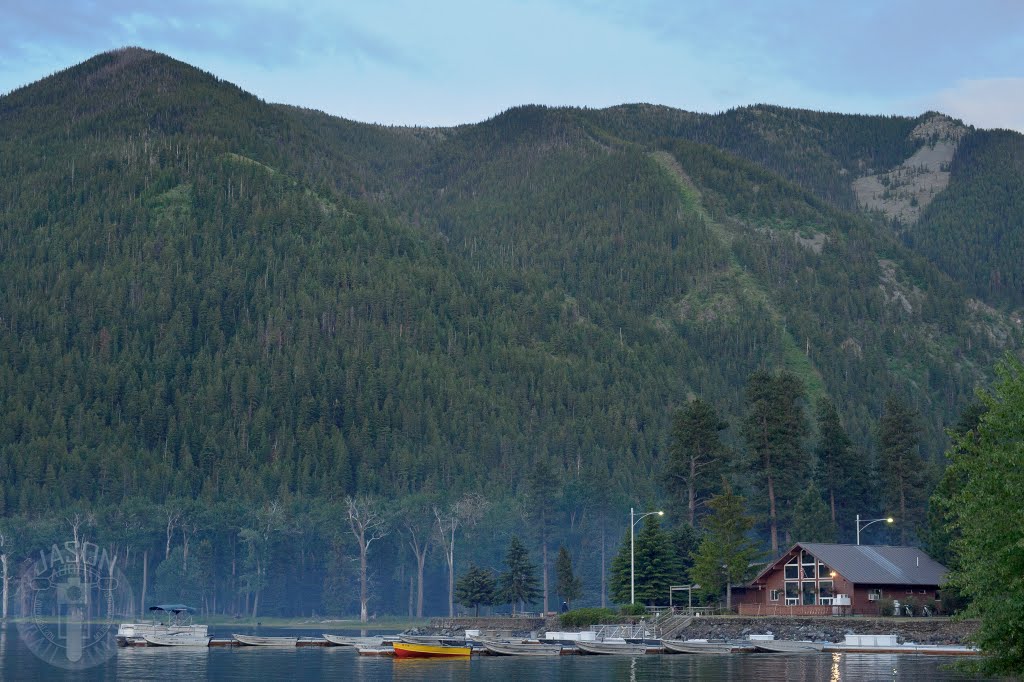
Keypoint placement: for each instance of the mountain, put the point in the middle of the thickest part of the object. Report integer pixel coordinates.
(209, 297)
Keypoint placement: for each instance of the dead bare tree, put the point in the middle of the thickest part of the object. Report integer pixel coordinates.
(369, 523)
(466, 511)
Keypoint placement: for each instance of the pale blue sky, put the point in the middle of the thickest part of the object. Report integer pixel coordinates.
(459, 61)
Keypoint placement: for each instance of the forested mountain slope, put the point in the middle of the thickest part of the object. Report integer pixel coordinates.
(204, 296)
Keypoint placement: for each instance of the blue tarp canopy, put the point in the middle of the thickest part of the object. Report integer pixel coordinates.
(171, 608)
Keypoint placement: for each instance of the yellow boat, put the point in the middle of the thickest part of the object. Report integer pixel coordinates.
(407, 650)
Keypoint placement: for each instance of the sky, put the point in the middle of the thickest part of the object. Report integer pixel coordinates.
(445, 62)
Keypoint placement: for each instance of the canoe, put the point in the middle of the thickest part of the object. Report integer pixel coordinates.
(523, 649)
(787, 646)
(611, 648)
(676, 646)
(338, 640)
(183, 639)
(252, 640)
(407, 650)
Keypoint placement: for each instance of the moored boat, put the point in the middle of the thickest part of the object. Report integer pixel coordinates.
(786, 646)
(253, 640)
(697, 646)
(412, 650)
(338, 640)
(179, 639)
(523, 649)
(169, 619)
(375, 650)
(611, 648)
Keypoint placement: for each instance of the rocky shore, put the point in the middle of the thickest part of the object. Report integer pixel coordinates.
(829, 629)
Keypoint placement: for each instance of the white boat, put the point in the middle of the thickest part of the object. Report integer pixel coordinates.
(178, 639)
(254, 640)
(697, 646)
(611, 648)
(169, 619)
(338, 640)
(375, 650)
(786, 646)
(523, 648)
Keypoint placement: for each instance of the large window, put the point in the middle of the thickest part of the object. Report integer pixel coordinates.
(809, 593)
(825, 593)
(792, 571)
(808, 565)
(792, 594)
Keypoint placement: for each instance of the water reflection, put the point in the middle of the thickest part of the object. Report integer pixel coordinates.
(162, 662)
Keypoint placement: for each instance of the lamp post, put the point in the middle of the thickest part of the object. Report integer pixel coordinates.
(633, 520)
(868, 522)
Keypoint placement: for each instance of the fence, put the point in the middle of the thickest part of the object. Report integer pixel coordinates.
(780, 610)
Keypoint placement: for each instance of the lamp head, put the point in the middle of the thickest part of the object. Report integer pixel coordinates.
(889, 520)
(661, 513)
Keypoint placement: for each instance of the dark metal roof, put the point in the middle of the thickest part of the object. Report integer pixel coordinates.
(874, 564)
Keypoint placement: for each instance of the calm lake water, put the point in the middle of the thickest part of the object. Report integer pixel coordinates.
(18, 662)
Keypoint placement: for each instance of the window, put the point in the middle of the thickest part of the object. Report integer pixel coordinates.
(792, 594)
(810, 596)
(910, 592)
(825, 593)
(809, 571)
(773, 595)
(792, 571)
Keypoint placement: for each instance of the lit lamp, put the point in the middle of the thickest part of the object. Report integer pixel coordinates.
(633, 520)
(867, 522)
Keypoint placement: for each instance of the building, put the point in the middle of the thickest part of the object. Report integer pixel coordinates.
(823, 579)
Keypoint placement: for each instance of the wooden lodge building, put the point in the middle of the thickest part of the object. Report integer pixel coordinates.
(817, 579)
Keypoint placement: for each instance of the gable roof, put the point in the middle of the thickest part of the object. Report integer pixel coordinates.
(873, 564)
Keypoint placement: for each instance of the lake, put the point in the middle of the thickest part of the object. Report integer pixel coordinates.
(18, 662)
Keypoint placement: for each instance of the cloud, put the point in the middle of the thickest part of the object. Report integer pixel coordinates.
(265, 33)
(985, 102)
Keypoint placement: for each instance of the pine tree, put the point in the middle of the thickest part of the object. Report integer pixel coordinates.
(812, 521)
(900, 464)
(569, 585)
(726, 551)
(774, 430)
(518, 584)
(655, 566)
(476, 587)
(696, 453)
(841, 473)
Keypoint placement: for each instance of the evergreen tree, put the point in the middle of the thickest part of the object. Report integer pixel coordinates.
(812, 521)
(570, 585)
(986, 514)
(476, 587)
(841, 473)
(696, 454)
(726, 551)
(518, 583)
(774, 429)
(901, 466)
(655, 566)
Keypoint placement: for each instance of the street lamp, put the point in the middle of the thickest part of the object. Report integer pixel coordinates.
(633, 520)
(868, 522)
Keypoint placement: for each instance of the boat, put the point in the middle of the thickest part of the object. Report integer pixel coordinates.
(168, 619)
(786, 646)
(697, 646)
(179, 639)
(435, 640)
(338, 640)
(410, 650)
(523, 649)
(611, 648)
(253, 640)
(375, 650)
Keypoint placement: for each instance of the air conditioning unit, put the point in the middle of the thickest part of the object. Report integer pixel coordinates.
(872, 596)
